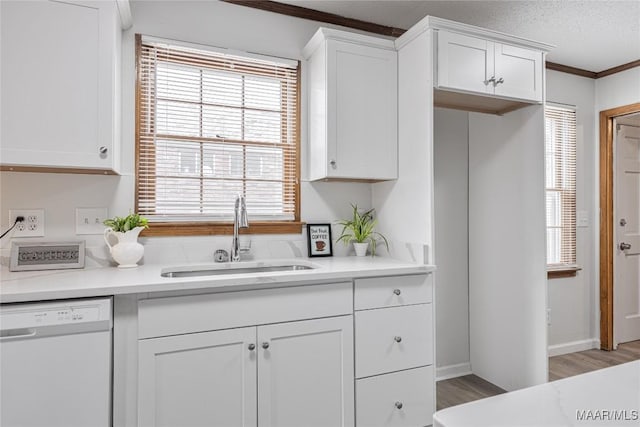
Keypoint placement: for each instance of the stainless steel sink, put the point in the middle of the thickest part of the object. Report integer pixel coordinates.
(230, 268)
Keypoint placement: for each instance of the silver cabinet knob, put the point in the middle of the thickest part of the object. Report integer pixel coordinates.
(103, 150)
(333, 164)
(491, 80)
(397, 291)
(265, 345)
(625, 246)
(252, 346)
(497, 82)
(398, 405)
(397, 338)
(623, 222)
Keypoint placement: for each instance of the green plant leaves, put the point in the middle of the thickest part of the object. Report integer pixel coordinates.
(126, 223)
(360, 229)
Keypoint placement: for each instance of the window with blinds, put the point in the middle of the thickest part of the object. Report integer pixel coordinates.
(560, 162)
(211, 126)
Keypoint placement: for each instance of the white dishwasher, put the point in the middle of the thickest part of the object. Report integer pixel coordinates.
(55, 363)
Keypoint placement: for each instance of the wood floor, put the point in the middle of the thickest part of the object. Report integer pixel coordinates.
(471, 387)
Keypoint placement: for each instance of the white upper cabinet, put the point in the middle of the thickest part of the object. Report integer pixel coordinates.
(476, 62)
(478, 65)
(353, 107)
(60, 85)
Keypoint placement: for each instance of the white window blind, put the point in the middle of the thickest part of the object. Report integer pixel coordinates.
(560, 162)
(211, 126)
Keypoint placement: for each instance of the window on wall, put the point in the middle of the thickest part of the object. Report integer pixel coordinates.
(212, 125)
(560, 161)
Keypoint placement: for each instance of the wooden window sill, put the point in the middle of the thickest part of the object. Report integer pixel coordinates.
(559, 273)
(216, 228)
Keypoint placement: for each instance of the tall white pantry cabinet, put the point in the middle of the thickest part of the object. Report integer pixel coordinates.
(499, 80)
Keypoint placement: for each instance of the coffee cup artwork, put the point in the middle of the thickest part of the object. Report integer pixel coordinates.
(319, 240)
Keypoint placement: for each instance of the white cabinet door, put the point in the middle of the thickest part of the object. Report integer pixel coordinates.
(464, 63)
(59, 64)
(520, 70)
(305, 374)
(353, 107)
(362, 113)
(401, 399)
(207, 378)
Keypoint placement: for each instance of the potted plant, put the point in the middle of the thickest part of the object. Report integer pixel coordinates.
(126, 250)
(360, 230)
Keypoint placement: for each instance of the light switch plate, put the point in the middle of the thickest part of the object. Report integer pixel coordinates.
(90, 220)
(582, 218)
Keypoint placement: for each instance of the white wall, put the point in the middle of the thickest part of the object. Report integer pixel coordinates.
(211, 22)
(451, 241)
(574, 301)
(618, 90)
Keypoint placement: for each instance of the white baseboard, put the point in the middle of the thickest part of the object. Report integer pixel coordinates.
(573, 346)
(453, 371)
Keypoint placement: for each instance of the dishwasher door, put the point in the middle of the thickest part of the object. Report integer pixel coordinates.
(55, 364)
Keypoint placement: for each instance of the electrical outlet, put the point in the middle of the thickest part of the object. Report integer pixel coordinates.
(33, 224)
(90, 220)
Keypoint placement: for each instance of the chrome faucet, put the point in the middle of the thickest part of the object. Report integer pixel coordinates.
(239, 221)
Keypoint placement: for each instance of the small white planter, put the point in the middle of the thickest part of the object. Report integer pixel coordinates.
(361, 248)
(126, 251)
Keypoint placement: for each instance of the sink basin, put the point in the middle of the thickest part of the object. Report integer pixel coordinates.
(234, 268)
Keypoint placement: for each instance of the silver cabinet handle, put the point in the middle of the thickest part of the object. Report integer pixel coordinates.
(333, 164)
(397, 291)
(397, 338)
(491, 80)
(103, 150)
(398, 405)
(252, 347)
(625, 246)
(265, 345)
(497, 82)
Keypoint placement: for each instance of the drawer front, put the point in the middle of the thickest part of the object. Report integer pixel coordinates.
(400, 399)
(393, 291)
(197, 313)
(391, 339)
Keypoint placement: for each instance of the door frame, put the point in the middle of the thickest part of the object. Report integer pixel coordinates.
(606, 220)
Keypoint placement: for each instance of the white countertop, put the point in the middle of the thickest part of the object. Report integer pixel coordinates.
(607, 397)
(101, 281)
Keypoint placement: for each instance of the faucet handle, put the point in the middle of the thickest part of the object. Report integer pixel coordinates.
(221, 256)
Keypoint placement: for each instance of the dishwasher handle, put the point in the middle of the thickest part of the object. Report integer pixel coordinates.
(16, 334)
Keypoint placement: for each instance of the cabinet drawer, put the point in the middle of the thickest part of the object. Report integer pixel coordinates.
(392, 291)
(391, 339)
(378, 399)
(197, 313)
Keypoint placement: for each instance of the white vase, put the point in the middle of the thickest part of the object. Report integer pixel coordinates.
(361, 248)
(126, 251)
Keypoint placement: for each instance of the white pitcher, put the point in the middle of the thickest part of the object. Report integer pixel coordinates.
(127, 251)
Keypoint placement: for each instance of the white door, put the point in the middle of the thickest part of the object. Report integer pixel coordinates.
(626, 292)
(207, 378)
(465, 63)
(305, 373)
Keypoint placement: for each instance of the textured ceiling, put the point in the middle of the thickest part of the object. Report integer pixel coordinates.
(593, 35)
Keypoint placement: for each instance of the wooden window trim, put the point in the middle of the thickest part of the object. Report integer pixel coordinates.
(562, 273)
(200, 228)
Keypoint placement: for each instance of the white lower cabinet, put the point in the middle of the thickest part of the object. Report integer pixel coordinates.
(297, 356)
(286, 374)
(305, 375)
(394, 351)
(208, 378)
(399, 399)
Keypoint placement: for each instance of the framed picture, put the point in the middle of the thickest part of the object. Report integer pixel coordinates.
(319, 240)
